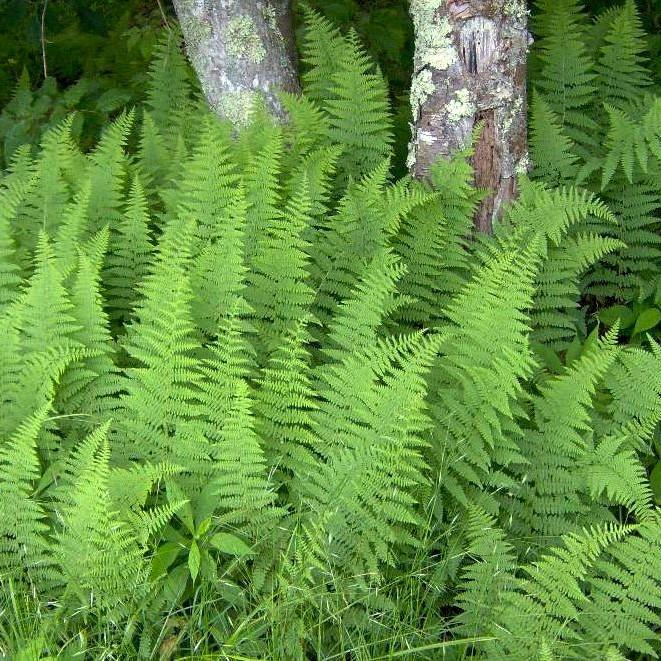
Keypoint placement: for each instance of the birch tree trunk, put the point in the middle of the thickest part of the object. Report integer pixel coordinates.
(470, 68)
(241, 50)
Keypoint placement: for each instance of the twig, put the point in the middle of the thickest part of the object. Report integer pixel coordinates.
(163, 14)
(43, 38)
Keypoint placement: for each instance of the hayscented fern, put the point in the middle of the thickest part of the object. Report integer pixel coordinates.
(261, 401)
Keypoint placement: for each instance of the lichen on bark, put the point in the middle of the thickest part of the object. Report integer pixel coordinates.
(243, 52)
(243, 40)
(469, 68)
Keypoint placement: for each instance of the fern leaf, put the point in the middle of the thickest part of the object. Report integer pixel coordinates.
(160, 390)
(129, 255)
(24, 548)
(98, 556)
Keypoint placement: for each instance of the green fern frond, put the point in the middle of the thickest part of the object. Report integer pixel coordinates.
(363, 494)
(284, 403)
(558, 293)
(98, 556)
(358, 320)
(487, 578)
(321, 43)
(625, 594)
(263, 191)
(318, 168)
(564, 69)
(631, 141)
(24, 547)
(622, 77)
(633, 385)
(486, 357)
(277, 289)
(359, 111)
(307, 129)
(237, 490)
(50, 193)
(617, 473)
(153, 159)
(107, 170)
(44, 311)
(551, 150)
(28, 379)
(11, 196)
(160, 390)
(551, 499)
(129, 256)
(239, 481)
(548, 598)
(168, 89)
(218, 276)
(208, 189)
(619, 275)
(433, 251)
(90, 388)
(349, 240)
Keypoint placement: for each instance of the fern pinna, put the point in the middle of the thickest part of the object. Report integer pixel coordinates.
(259, 400)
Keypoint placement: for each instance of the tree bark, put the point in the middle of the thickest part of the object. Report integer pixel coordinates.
(470, 68)
(242, 50)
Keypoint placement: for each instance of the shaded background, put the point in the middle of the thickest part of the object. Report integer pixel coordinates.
(109, 44)
(82, 35)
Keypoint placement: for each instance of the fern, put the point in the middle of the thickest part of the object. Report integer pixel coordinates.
(160, 397)
(168, 91)
(263, 191)
(438, 225)
(99, 559)
(239, 481)
(548, 595)
(358, 112)
(552, 151)
(625, 594)
(107, 171)
(10, 276)
(24, 550)
(43, 210)
(619, 275)
(473, 417)
(44, 310)
(615, 148)
(153, 162)
(551, 499)
(322, 42)
(564, 70)
(362, 495)
(277, 290)
(129, 255)
(284, 404)
(622, 75)
(351, 239)
(260, 400)
(90, 388)
(340, 80)
(489, 577)
(72, 230)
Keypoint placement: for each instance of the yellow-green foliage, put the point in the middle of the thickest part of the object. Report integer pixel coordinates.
(260, 401)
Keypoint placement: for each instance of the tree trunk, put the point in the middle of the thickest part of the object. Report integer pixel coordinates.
(470, 68)
(241, 50)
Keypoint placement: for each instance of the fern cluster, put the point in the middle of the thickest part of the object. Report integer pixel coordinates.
(596, 122)
(259, 400)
